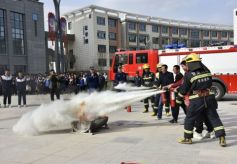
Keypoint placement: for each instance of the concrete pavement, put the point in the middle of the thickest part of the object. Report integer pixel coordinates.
(134, 137)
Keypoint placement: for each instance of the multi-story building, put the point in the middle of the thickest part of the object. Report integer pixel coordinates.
(235, 26)
(22, 36)
(97, 36)
(99, 31)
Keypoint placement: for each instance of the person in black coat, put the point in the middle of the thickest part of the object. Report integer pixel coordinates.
(7, 88)
(92, 81)
(54, 85)
(21, 88)
(137, 80)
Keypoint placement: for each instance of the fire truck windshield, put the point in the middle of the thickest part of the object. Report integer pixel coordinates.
(120, 60)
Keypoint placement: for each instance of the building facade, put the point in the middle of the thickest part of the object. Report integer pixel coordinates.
(100, 31)
(235, 26)
(22, 36)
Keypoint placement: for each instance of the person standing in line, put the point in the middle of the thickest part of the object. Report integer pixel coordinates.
(21, 89)
(7, 88)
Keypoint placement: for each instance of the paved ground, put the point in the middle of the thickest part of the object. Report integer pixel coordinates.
(132, 137)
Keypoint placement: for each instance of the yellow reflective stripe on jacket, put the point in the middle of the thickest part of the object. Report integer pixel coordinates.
(200, 76)
(147, 78)
(179, 102)
(188, 131)
(196, 96)
(180, 95)
(219, 128)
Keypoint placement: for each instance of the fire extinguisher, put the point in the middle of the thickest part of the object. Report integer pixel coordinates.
(172, 98)
(163, 98)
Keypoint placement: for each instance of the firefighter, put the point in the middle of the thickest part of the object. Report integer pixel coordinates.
(148, 80)
(198, 81)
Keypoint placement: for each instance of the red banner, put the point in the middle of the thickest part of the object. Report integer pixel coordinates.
(52, 26)
(64, 29)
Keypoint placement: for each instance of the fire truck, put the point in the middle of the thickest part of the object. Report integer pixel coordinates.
(221, 60)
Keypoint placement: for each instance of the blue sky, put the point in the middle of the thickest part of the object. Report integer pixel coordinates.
(205, 11)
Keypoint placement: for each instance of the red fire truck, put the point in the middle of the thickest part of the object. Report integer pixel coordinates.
(221, 60)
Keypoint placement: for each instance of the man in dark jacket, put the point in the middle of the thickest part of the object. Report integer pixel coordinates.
(54, 85)
(137, 80)
(101, 81)
(120, 77)
(165, 79)
(92, 81)
(21, 89)
(7, 88)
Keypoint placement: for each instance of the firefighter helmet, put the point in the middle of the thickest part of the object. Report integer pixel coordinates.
(159, 65)
(192, 58)
(146, 66)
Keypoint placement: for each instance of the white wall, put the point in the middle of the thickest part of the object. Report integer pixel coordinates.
(235, 26)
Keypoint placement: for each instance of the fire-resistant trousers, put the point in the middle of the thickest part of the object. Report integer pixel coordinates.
(207, 106)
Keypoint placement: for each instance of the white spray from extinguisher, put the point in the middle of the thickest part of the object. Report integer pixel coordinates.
(48, 116)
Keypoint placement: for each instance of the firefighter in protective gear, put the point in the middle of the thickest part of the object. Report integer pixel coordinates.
(148, 79)
(198, 81)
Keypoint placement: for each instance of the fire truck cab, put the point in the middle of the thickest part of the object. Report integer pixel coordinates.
(221, 60)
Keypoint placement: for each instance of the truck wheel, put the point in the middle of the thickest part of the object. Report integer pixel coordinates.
(218, 90)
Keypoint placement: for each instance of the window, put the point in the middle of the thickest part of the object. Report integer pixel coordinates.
(101, 34)
(142, 39)
(17, 26)
(184, 41)
(164, 30)
(112, 36)
(112, 49)
(175, 41)
(2, 69)
(132, 26)
(19, 68)
(102, 48)
(224, 34)
(86, 41)
(142, 27)
(155, 40)
(2, 33)
(195, 33)
(102, 62)
(132, 48)
(214, 34)
(100, 20)
(130, 59)
(165, 41)
(206, 43)
(112, 22)
(231, 34)
(35, 19)
(132, 38)
(183, 31)
(195, 43)
(141, 58)
(206, 33)
(155, 28)
(121, 59)
(69, 25)
(175, 31)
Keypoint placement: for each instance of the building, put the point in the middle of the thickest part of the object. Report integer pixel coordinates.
(22, 36)
(235, 26)
(100, 31)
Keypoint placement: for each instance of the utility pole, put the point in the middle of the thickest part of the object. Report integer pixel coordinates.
(59, 51)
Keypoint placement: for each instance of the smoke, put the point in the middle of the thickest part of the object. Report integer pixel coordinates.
(48, 116)
(129, 87)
